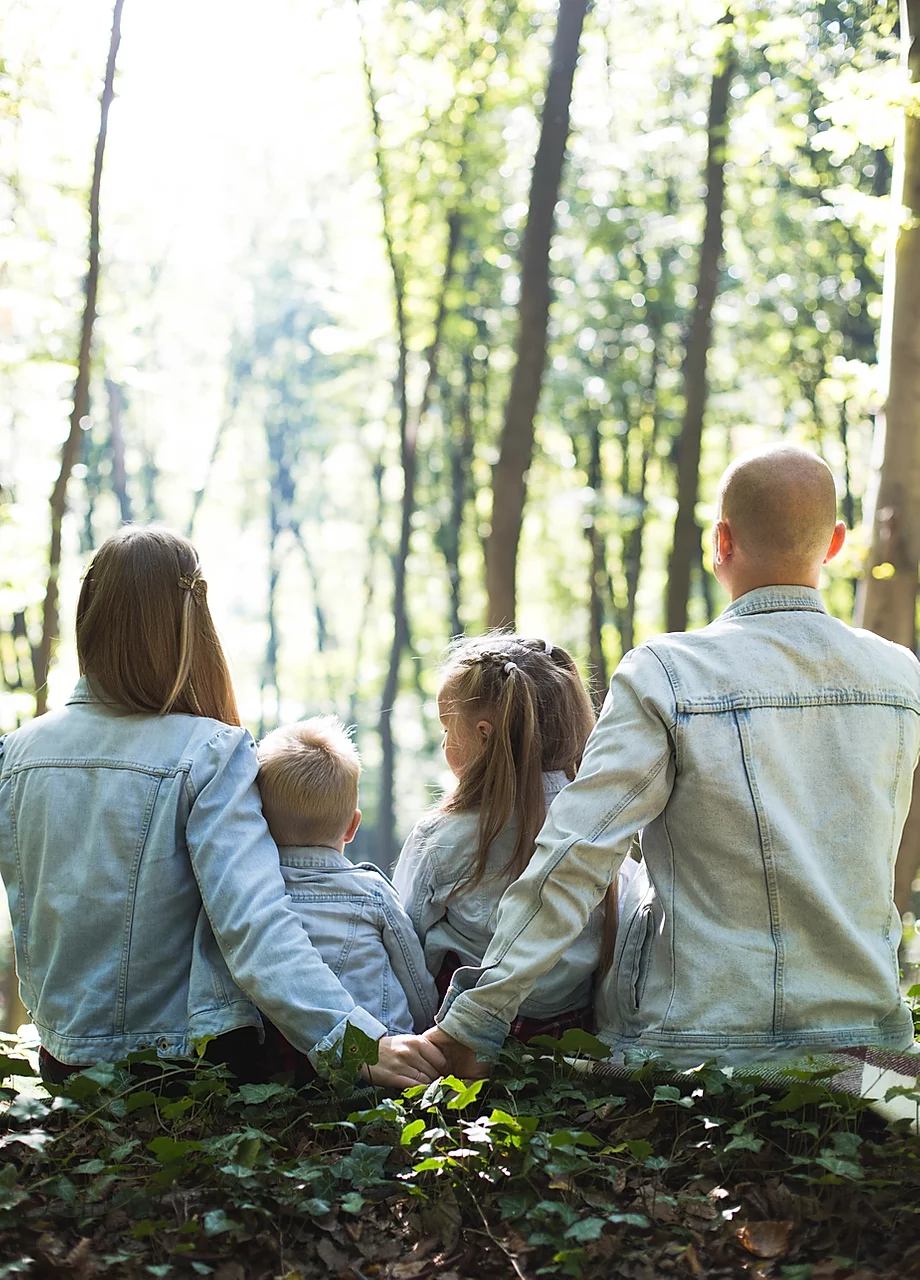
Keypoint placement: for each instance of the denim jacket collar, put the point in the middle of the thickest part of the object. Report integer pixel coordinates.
(82, 692)
(91, 695)
(772, 599)
(314, 857)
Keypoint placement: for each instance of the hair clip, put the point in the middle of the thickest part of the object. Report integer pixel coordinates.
(548, 646)
(193, 583)
(509, 667)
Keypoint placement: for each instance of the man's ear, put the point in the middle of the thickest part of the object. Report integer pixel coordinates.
(837, 540)
(722, 545)
(483, 728)
(353, 827)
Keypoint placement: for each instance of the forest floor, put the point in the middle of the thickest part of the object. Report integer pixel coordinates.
(541, 1171)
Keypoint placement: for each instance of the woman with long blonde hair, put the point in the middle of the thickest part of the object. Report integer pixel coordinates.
(147, 903)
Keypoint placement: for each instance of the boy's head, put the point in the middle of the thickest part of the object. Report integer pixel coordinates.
(308, 777)
(777, 522)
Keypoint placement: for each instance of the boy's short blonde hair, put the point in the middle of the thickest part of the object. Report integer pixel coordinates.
(308, 777)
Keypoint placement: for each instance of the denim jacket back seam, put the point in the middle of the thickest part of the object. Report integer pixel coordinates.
(792, 701)
(121, 991)
(895, 781)
(742, 724)
(90, 762)
(20, 879)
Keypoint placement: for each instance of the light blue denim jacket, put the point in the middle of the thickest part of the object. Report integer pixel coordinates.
(434, 858)
(147, 903)
(769, 760)
(354, 918)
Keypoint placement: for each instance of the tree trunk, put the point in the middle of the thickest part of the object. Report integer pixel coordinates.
(460, 446)
(116, 398)
(409, 458)
(887, 598)
(686, 534)
(269, 695)
(509, 476)
(80, 410)
(887, 602)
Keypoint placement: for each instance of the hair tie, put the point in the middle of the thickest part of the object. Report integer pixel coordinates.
(509, 667)
(548, 646)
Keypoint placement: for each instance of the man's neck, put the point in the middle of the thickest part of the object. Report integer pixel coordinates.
(752, 582)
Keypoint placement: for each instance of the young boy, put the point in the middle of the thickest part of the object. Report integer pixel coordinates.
(308, 777)
(767, 760)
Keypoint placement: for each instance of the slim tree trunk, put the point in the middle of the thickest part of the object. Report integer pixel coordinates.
(509, 476)
(686, 532)
(116, 398)
(459, 445)
(269, 695)
(887, 598)
(50, 616)
(409, 458)
(598, 575)
(367, 594)
(408, 455)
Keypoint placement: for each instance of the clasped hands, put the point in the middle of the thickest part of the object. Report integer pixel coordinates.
(404, 1061)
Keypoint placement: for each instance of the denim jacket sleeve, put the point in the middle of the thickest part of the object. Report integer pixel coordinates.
(416, 883)
(408, 961)
(623, 784)
(235, 862)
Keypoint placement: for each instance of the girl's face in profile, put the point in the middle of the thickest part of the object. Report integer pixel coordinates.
(463, 739)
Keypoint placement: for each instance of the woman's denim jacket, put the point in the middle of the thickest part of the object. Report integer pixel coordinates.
(147, 902)
(769, 759)
(355, 920)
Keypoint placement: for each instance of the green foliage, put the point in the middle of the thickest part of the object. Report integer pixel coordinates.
(540, 1169)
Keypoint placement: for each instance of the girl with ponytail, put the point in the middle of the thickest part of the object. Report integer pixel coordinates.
(516, 717)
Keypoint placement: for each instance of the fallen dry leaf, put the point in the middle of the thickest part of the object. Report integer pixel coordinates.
(765, 1239)
(408, 1270)
(693, 1263)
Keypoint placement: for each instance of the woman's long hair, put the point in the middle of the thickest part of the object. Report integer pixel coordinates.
(145, 636)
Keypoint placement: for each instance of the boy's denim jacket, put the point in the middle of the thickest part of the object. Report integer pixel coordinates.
(147, 903)
(769, 760)
(353, 916)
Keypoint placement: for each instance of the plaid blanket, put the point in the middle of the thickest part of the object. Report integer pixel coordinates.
(890, 1079)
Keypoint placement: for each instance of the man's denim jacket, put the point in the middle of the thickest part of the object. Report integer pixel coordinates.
(147, 902)
(353, 916)
(768, 760)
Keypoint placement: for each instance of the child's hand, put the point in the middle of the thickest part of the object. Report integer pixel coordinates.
(404, 1061)
(461, 1060)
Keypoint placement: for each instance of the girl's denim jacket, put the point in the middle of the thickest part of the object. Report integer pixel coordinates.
(768, 760)
(355, 920)
(432, 862)
(147, 903)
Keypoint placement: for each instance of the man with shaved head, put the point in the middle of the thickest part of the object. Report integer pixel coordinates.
(767, 762)
(777, 520)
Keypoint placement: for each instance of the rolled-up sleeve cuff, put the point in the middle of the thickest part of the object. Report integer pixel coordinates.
(358, 1017)
(467, 1022)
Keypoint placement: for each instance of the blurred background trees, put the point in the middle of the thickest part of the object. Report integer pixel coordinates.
(319, 260)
